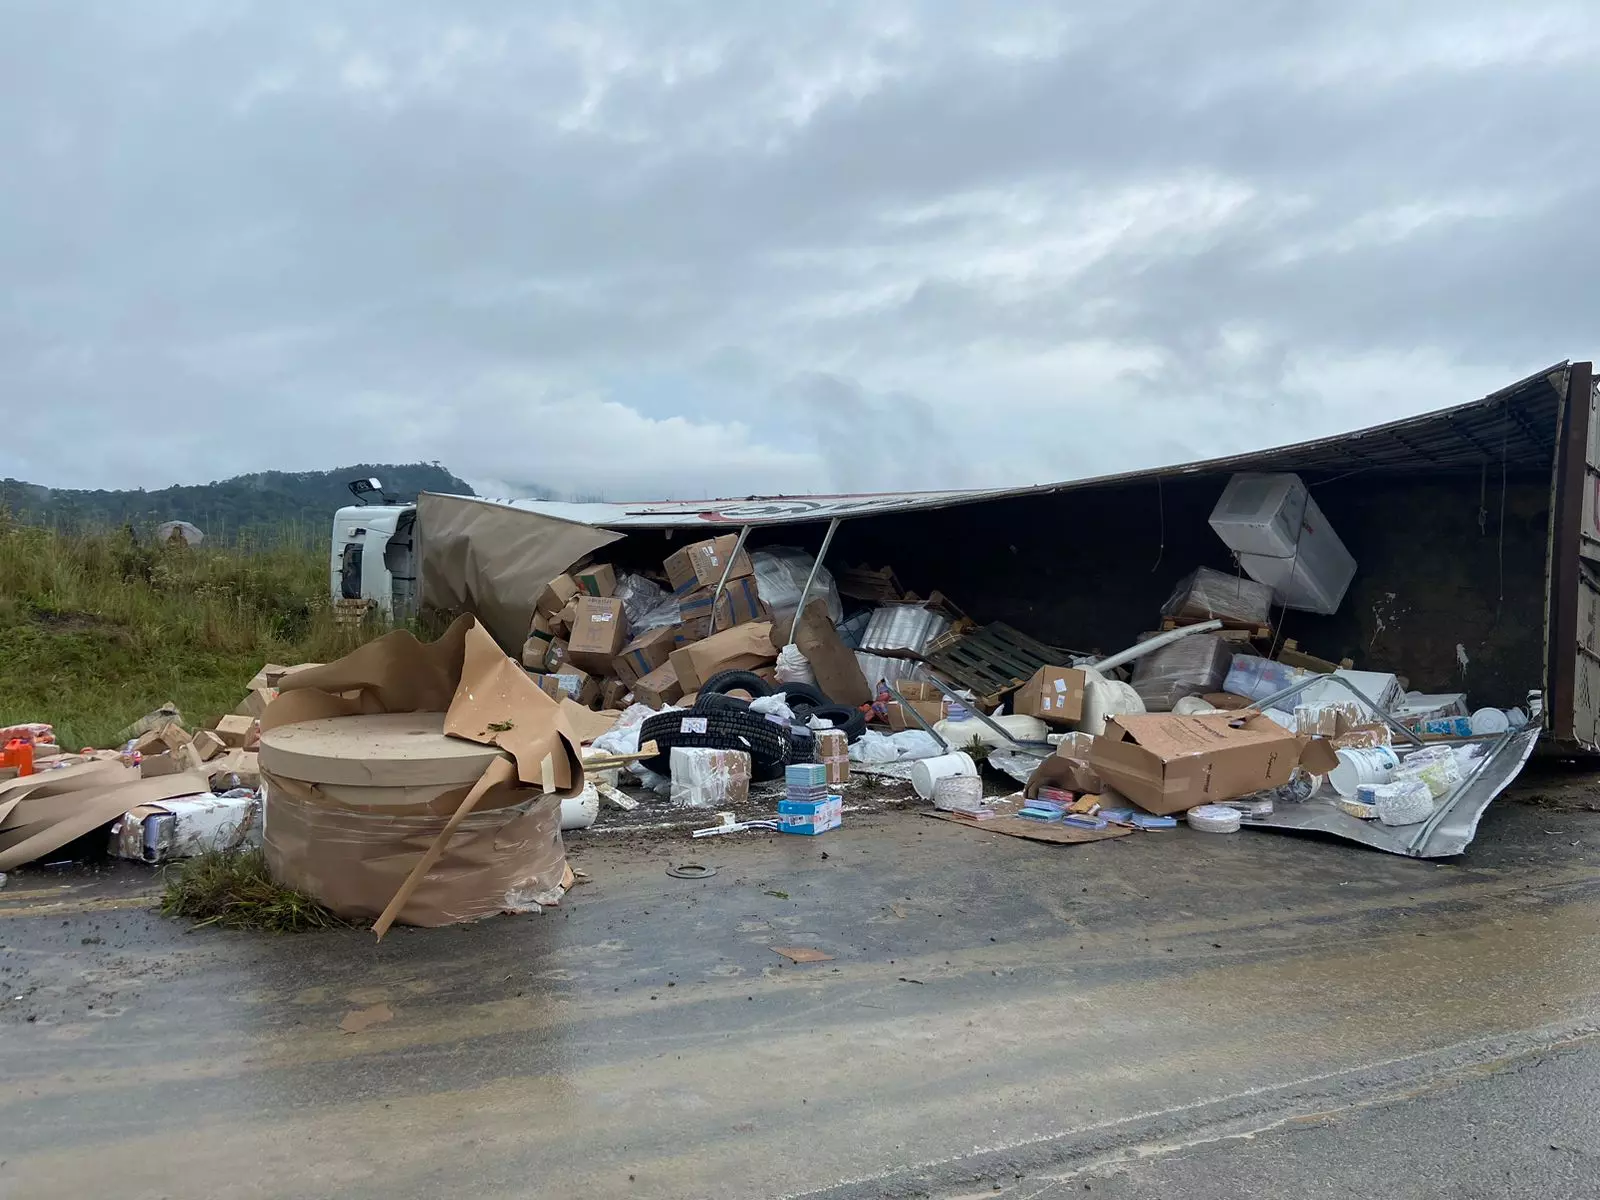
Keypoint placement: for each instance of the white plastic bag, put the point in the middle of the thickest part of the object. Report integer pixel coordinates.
(794, 667)
(773, 706)
(912, 744)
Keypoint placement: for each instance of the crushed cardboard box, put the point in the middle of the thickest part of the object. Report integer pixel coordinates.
(742, 648)
(1167, 764)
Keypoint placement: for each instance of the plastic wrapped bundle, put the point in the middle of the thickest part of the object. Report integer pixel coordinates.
(781, 573)
(1208, 594)
(903, 628)
(709, 778)
(1436, 766)
(1190, 666)
(1258, 678)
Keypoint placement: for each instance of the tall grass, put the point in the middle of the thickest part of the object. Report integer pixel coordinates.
(97, 628)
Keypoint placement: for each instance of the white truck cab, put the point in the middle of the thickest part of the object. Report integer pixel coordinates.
(373, 557)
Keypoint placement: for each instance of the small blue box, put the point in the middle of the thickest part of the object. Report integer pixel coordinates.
(810, 817)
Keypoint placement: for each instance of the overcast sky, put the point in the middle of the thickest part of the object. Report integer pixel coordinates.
(711, 248)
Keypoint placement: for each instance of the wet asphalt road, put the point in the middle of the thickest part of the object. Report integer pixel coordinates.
(1162, 1015)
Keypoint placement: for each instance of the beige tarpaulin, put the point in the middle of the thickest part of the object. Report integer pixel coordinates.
(492, 561)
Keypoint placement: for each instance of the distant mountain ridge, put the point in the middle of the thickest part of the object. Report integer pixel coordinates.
(267, 502)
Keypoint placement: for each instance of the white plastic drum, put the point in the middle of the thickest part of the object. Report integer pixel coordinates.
(926, 772)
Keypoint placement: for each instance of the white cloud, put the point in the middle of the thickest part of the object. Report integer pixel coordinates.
(638, 250)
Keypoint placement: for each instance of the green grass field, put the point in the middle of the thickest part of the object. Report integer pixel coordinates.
(96, 629)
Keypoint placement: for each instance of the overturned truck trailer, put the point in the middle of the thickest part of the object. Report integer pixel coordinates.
(1476, 531)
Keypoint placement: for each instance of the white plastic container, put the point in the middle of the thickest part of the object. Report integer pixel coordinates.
(1491, 720)
(926, 772)
(582, 810)
(1261, 514)
(1283, 540)
(1357, 767)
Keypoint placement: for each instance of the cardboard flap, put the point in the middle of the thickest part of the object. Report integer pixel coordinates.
(1318, 756)
(485, 696)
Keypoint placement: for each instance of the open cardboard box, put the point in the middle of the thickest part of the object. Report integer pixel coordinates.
(1166, 763)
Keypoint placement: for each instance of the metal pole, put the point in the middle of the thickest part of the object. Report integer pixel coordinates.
(816, 565)
(723, 582)
(1288, 693)
(915, 715)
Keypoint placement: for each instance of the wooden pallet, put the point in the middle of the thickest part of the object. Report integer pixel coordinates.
(990, 659)
(878, 585)
(1250, 630)
(1291, 655)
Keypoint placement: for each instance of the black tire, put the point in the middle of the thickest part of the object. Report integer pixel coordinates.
(765, 741)
(717, 702)
(724, 682)
(798, 695)
(851, 720)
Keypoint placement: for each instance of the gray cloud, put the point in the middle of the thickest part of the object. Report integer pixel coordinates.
(647, 249)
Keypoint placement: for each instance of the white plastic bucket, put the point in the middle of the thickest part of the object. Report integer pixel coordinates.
(580, 811)
(1356, 767)
(926, 772)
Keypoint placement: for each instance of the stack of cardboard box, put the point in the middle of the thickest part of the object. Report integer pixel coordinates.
(580, 645)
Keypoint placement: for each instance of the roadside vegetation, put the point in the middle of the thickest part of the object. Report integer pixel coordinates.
(98, 628)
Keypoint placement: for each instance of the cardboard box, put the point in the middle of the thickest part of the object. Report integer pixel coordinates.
(185, 827)
(153, 766)
(1168, 764)
(556, 595)
(740, 604)
(834, 664)
(810, 817)
(550, 685)
(645, 653)
(255, 702)
(918, 689)
(614, 694)
(207, 745)
(236, 730)
(1053, 694)
(599, 632)
(702, 563)
(742, 648)
(556, 655)
(575, 683)
(159, 741)
(931, 711)
(659, 688)
(533, 653)
(833, 752)
(598, 580)
(237, 768)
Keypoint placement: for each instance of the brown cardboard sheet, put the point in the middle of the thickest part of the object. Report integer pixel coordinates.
(493, 561)
(1033, 831)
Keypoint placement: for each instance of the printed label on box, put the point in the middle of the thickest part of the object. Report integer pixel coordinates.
(1061, 685)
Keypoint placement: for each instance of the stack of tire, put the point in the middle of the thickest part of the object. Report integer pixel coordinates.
(723, 721)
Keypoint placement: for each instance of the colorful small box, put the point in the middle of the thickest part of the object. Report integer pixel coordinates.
(810, 817)
(805, 775)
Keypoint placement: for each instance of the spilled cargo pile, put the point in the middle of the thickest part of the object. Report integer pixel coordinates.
(731, 657)
(736, 689)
